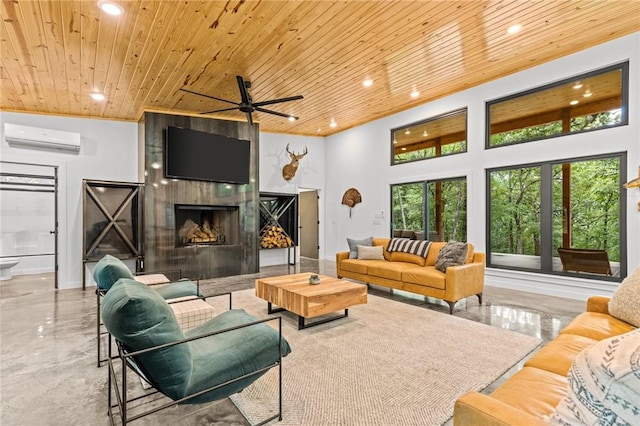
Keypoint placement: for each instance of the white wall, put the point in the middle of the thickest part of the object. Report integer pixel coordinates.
(310, 175)
(109, 151)
(360, 157)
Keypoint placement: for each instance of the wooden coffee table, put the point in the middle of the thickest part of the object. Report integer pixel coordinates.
(294, 294)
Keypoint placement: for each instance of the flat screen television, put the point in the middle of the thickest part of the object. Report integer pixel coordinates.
(194, 155)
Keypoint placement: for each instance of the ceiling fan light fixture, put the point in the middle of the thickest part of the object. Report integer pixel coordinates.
(110, 7)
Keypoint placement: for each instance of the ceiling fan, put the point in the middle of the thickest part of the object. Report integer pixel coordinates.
(246, 103)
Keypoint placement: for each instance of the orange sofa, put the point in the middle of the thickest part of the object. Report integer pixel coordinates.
(409, 272)
(532, 394)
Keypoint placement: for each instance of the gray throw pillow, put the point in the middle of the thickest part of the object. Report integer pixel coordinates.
(453, 253)
(353, 246)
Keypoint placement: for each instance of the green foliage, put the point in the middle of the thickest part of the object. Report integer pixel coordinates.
(409, 207)
(594, 206)
(546, 130)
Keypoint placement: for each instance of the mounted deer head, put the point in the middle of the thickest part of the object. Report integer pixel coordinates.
(289, 171)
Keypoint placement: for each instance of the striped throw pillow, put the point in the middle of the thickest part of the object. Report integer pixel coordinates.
(405, 245)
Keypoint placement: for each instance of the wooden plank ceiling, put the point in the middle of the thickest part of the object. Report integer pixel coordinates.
(55, 53)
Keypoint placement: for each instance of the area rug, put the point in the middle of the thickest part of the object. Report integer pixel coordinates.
(387, 363)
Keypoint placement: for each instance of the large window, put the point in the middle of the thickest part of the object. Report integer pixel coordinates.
(445, 134)
(586, 102)
(433, 210)
(535, 211)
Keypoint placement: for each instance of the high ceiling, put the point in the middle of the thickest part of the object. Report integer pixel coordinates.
(55, 53)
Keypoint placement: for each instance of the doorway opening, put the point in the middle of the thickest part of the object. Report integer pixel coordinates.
(29, 225)
(309, 223)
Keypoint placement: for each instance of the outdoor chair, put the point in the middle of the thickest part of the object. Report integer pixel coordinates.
(210, 362)
(110, 269)
(585, 260)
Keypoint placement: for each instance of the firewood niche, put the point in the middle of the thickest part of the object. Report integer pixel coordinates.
(278, 220)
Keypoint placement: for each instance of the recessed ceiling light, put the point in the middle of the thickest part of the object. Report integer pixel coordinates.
(425, 133)
(292, 118)
(110, 7)
(577, 86)
(587, 94)
(318, 130)
(407, 132)
(333, 124)
(404, 148)
(395, 141)
(97, 96)
(367, 83)
(514, 29)
(415, 94)
(574, 102)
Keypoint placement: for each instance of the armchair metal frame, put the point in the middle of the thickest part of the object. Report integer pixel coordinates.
(100, 332)
(127, 361)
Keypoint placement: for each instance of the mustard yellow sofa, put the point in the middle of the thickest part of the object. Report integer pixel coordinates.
(531, 395)
(416, 274)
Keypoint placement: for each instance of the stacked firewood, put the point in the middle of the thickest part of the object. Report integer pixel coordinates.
(274, 237)
(191, 232)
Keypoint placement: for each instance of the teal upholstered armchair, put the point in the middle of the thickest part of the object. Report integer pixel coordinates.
(217, 359)
(110, 269)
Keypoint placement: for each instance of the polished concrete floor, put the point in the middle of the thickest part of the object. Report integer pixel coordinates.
(48, 373)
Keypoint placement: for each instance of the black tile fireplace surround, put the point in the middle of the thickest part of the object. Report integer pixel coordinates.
(222, 218)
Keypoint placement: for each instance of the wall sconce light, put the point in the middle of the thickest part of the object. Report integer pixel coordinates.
(635, 183)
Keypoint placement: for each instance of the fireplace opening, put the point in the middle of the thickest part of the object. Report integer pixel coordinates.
(202, 225)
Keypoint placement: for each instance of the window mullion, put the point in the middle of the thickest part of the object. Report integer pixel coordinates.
(546, 219)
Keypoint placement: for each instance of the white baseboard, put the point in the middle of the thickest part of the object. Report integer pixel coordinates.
(551, 285)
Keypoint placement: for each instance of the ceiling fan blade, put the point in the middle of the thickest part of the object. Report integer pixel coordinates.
(210, 97)
(268, 111)
(219, 110)
(277, 101)
(244, 95)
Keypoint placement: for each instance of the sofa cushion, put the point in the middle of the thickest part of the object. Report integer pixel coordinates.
(434, 250)
(470, 253)
(597, 326)
(533, 391)
(182, 288)
(109, 270)
(354, 265)
(222, 357)
(370, 253)
(625, 302)
(398, 256)
(140, 318)
(452, 254)
(604, 384)
(558, 355)
(410, 251)
(384, 242)
(427, 276)
(390, 270)
(353, 246)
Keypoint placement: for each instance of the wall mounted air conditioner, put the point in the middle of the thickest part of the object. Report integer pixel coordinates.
(36, 138)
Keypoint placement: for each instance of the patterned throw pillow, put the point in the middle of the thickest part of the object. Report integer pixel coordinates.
(453, 253)
(603, 385)
(370, 253)
(353, 246)
(405, 245)
(625, 302)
